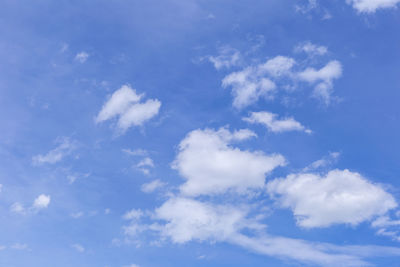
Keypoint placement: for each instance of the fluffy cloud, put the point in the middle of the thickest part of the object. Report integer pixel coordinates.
(277, 66)
(323, 78)
(189, 219)
(125, 104)
(41, 202)
(311, 49)
(370, 6)
(211, 165)
(227, 58)
(260, 81)
(275, 125)
(65, 147)
(248, 86)
(340, 196)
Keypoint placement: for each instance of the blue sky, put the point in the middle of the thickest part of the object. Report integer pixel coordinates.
(199, 133)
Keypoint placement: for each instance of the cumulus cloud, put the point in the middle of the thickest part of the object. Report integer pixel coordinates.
(323, 78)
(152, 186)
(41, 202)
(135, 152)
(277, 66)
(371, 6)
(125, 104)
(189, 219)
(248, 86)
(274, 124)
(260, 80)
(65, 147)
(228, 57)
(211, 165)
(182, 220)
(311, 49)
(341, 196)
(82, 57)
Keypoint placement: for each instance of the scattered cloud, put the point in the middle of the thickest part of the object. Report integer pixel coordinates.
(339, 197)
(152, 186)
(210, 165)
(371, 6)
(323, 78)
(189, 219)
(65, 147)
(41, 202)
(145, 165)
(227, 58)
(248, 86)
(311, 49)
(260, 80)
(125, 104)
(82, 57)
(274, 124)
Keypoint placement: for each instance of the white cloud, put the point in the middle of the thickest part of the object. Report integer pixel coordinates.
(311, 49)
(78, 247)
(370, 6)
(275, 125)
(387, 227)
(189, 219)
(260, 80)
(41, 202)
(65, 147)
(324, 162)
(324, 78)
(133, 214)
(211, 165)
(152, 186)
(82, 57)
(125, 104)
(145, 164)
(340, 196)
(183, 220)
(248, 86)
(228, 57)
(18, 208)
(277, 66)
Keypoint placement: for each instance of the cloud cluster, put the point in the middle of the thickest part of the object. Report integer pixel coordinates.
(260, 81)
(274, 124)
(211, 165)
(40, 203)
(125, 104)
(341, 196)
(371, 6)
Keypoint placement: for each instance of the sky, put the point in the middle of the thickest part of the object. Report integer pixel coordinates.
(199, 133)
